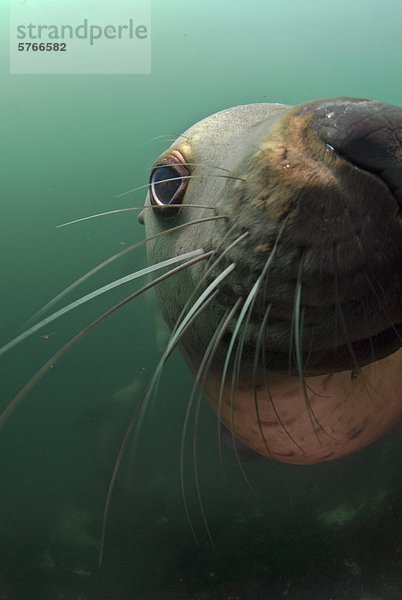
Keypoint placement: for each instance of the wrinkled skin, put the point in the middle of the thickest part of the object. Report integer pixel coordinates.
(318, 190)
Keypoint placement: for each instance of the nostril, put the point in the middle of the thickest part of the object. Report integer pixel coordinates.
(366, 133)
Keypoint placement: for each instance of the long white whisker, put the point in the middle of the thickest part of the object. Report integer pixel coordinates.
(200, 300)
(102, 214)
(138, 415)
(247, 304)
(146, 185)
(259, 346)
(132, 208)
(298, 312)
(232, 342)
(95, 294)
(208, 271)
(206, 165)
(203, 301)
(169, 136)
(12, 405)
(235, 386)
(200, 377)
(109, 260)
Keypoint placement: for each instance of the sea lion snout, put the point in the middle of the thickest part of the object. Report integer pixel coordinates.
(366, 133)
(326, 202)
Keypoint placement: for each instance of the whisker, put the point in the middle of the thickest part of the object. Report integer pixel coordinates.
(270, 397)
(258, 350)
(249, 301)
(172, 136)
(232, 342)
(109, 260)
(200, 377)
(132, 208)
(215, 346)
(298, 330)
(341, 317)
(359, 245)
(201, 299)
(183, 322)
(199, 306)
(234, 389)
(199, 382)
(139, 412)
(166, 139)
(11, 406)
(95, 294)
(263, 277)
(195, 164)
(97, 215)
(350, 347)
(146, 185)
(264, 274)
(308, 387)
(298, 343)
(208, 272)
(291, 345)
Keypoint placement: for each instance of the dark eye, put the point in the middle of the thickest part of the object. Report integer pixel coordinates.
(167, 184)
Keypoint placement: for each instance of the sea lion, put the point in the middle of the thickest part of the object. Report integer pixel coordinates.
(299, 350)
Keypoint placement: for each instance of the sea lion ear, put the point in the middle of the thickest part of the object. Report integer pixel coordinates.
(140, 217)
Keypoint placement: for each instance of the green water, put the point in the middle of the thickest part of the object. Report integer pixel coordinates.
(69, 145)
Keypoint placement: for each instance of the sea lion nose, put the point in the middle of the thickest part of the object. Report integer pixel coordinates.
(366, 133)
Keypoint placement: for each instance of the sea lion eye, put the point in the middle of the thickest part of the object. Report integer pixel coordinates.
(167, 184)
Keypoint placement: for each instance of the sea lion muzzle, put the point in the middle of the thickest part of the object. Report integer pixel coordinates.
(311, 197)
(368, 134)
(342, 240)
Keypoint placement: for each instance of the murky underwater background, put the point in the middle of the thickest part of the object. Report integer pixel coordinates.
(69, 145)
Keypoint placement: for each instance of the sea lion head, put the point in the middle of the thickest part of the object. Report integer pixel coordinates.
(310, 200)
